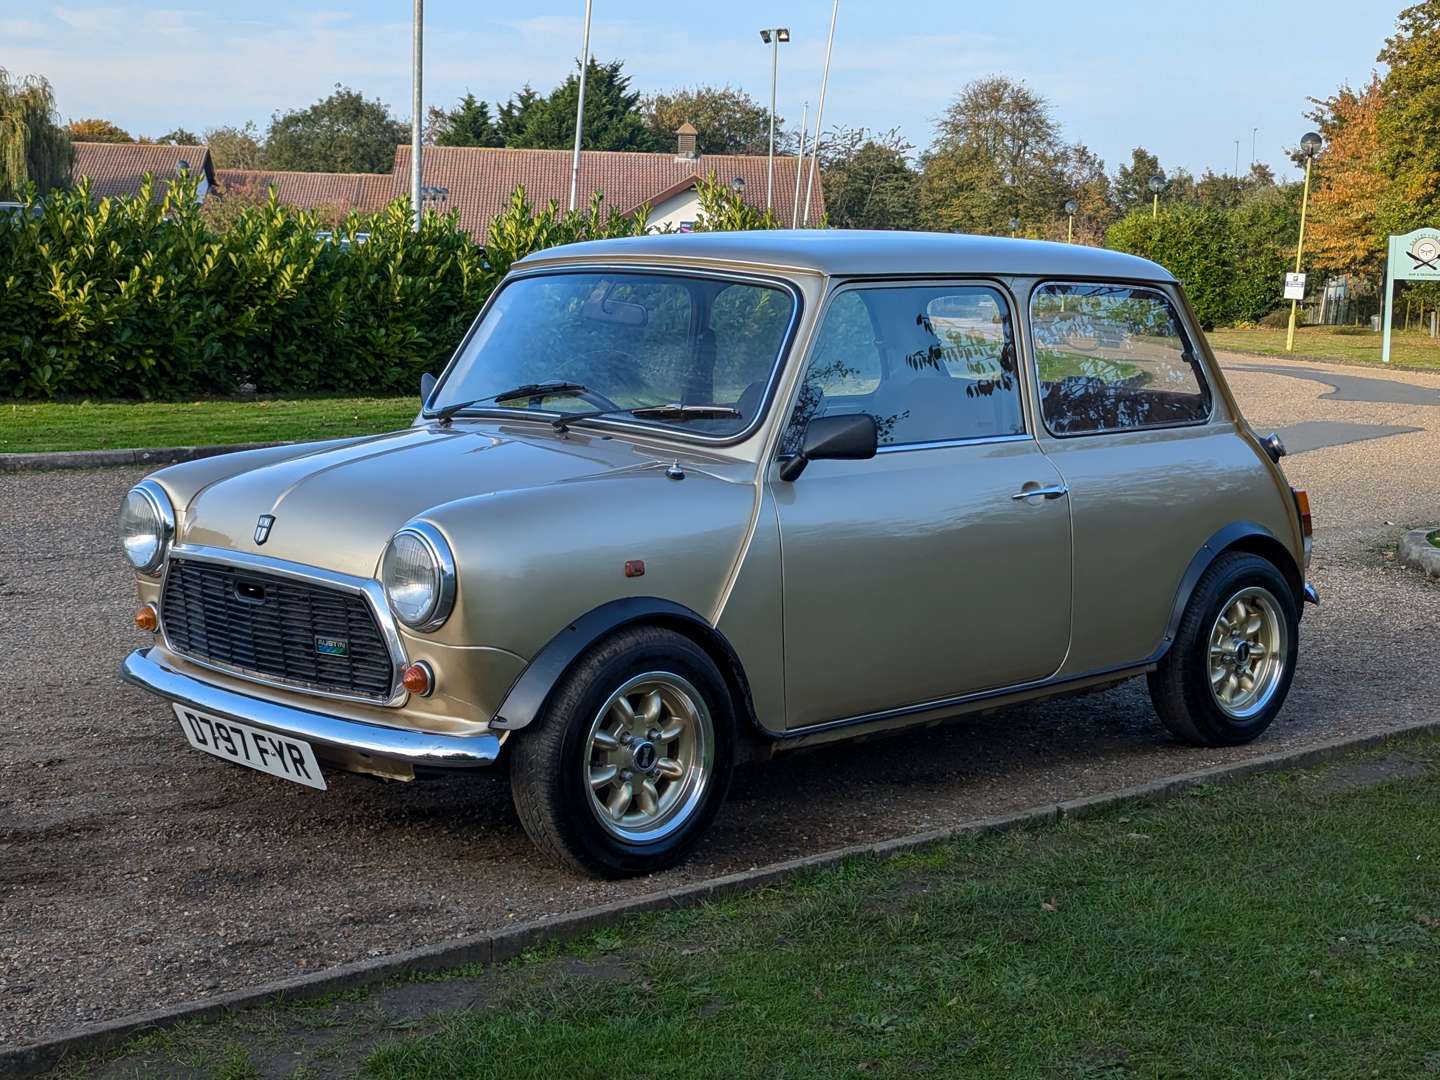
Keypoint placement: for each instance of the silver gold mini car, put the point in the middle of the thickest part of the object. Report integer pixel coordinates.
(682, 501)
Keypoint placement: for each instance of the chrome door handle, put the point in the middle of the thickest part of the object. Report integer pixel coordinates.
(1054, 491)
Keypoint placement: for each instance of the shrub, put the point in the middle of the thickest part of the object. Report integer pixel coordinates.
(144, 298)
(1231, 261)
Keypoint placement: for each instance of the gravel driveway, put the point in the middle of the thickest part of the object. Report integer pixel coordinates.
(135, 872)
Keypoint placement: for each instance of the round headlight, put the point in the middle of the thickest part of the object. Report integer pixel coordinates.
(418, 573)
(147, 524)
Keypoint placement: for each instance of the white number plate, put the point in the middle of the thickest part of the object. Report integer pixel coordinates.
(278, 755)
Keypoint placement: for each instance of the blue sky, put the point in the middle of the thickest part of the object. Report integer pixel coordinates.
(1185, 80)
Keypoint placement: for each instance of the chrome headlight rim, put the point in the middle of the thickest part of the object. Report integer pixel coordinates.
(164, 514)
(442, 568)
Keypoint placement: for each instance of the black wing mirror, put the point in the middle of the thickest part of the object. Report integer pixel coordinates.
(850, 437)
(427, 384)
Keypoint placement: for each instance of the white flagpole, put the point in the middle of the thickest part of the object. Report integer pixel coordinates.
(820, 111)
(799, 166)
(580, 109)
(415, 105)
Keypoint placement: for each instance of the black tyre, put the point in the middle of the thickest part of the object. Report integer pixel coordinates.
(1230, 666)
(631, 758)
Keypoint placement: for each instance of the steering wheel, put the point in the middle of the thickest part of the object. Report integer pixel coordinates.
(612, 359)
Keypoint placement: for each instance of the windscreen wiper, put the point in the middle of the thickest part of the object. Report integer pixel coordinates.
(535, 390)
(652, 412)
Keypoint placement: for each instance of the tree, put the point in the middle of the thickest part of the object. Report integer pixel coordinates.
(235, 148)
(1132, 182)
(34, 148)
(514, 114)
(341, 133)
(612, 114)
(97, 130)
(468, 124)
(729, 121)
(998, 155)
(869, 183)
(180, 137)
(1409, 120)
(1352, 184)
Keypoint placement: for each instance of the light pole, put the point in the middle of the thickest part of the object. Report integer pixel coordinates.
(772, 37)
(1310, 145)
(820, 113)
(416, 52)
(1071, 207)
(1253, 132)
(1157, 185)
(1237, 157)
(580, 108)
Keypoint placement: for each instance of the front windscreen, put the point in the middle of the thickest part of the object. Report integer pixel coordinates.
(689, 352)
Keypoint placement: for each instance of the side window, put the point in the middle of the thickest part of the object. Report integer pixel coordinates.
(1113, 358)
(931, 363)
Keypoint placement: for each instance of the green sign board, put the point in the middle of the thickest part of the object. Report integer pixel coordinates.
(1413, 257)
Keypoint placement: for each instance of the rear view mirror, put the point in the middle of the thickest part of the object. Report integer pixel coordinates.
(849, 437)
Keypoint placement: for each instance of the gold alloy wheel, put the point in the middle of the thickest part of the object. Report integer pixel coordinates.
(648, 757)
(1249, 646)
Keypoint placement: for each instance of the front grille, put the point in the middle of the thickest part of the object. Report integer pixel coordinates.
(273, 626)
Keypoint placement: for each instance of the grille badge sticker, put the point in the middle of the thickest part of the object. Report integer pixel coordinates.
(262, 528)
(332, 646)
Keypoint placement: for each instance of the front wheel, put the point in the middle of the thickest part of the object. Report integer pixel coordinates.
(631, 758)
(1229, 669)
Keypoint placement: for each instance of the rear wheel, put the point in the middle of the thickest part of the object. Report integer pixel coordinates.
(1230, 666)
(628, 764)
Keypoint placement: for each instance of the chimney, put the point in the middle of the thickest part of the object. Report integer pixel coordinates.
(685, 136)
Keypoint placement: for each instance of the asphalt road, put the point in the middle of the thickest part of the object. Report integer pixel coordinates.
(135, 872)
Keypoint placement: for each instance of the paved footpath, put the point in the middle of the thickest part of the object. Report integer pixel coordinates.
(135, 873)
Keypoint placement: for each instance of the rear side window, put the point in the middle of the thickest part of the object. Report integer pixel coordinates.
(1113, 358)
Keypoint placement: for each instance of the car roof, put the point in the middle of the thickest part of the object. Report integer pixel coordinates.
(851, 252)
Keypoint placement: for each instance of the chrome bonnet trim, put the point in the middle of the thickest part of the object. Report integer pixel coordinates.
(368, 588)
(400, 744)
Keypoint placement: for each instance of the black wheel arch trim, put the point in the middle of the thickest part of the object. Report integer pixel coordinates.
(1237, 536)
(527, 696)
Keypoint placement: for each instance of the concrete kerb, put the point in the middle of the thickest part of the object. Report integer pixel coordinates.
(99, 459)
(497, 947)
(1416, 551)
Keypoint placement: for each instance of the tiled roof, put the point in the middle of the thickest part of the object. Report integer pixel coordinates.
(119, 168)
(313, 190)
(481, 179)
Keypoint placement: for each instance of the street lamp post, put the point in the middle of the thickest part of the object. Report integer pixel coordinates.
(416, 56)
(1157, 185)
(773, 37)
(1310, 145)
(1071, 207)
(800, 167)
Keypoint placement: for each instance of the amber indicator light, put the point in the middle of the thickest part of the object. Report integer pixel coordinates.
(1302, 504)
(635, 568)
(147, 619)
(416, 679)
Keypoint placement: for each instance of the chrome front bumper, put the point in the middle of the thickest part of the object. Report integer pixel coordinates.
(421, 748)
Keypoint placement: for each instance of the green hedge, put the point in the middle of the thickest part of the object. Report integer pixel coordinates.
(1232, 262)
(135, 298)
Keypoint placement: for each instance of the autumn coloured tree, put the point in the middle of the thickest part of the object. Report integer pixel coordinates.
(1345, 233)
(95, 129)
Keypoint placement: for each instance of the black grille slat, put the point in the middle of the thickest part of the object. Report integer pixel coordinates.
(206, 618)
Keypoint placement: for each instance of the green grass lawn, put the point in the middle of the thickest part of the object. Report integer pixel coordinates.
(1334, 344)
(26, 426)
(1285, 926)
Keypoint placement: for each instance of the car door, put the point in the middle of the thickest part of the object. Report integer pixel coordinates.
(941, 567)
